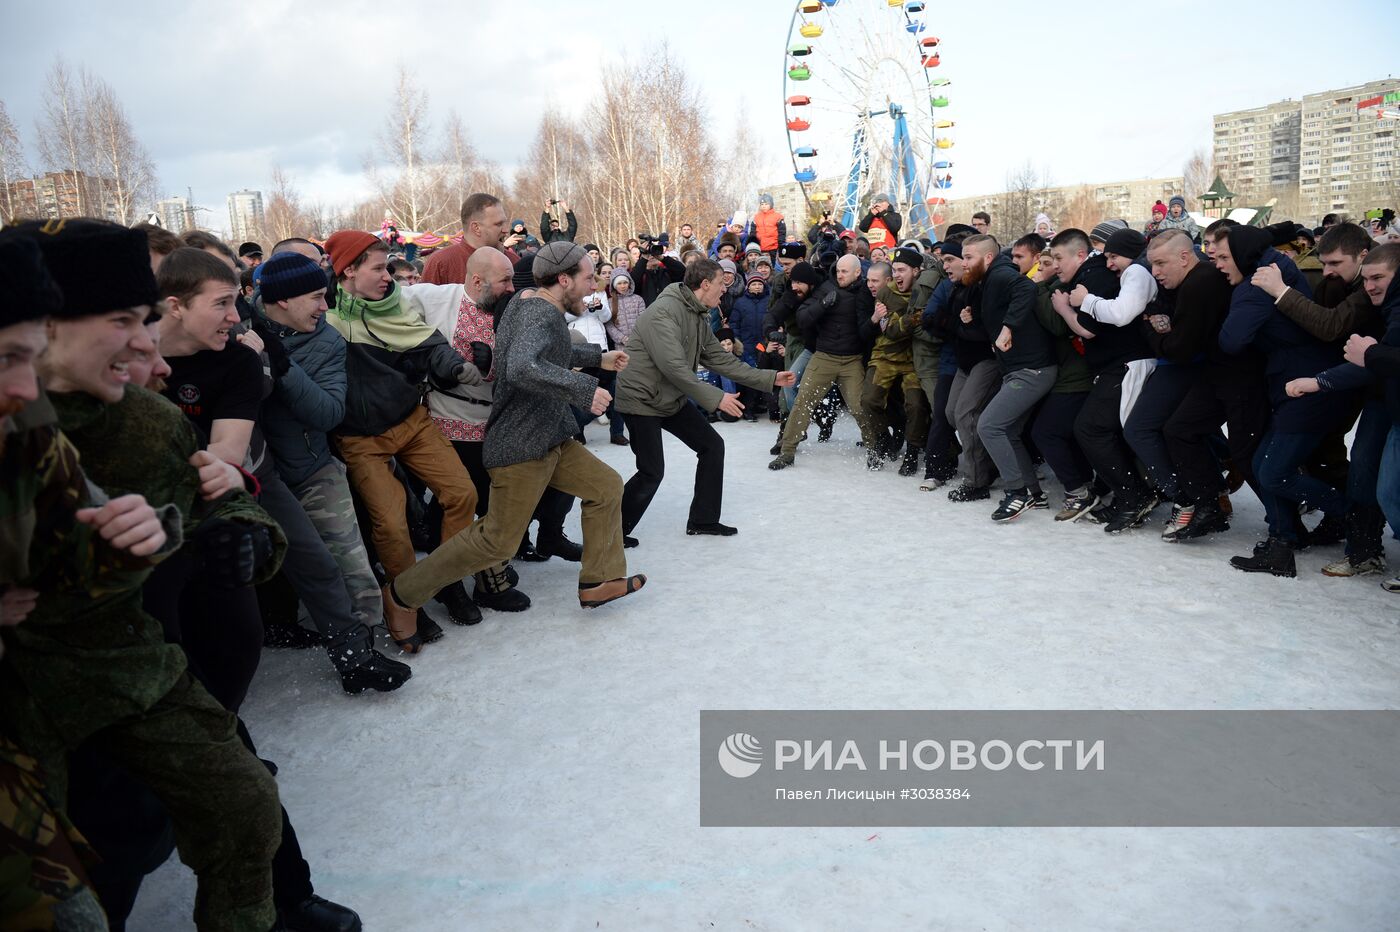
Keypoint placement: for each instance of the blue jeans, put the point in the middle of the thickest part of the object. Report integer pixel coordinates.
(1282, 486)
(1388, 488)
(799, 365)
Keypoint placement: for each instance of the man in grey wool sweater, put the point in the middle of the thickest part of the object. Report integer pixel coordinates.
(530, 447)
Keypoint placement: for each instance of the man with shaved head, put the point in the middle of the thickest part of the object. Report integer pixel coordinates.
(831, 312)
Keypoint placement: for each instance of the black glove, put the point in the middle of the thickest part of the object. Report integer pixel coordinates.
(231, 552)
(277, 358)
(481, 357)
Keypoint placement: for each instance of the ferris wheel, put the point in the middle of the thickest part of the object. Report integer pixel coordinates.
(866, 110)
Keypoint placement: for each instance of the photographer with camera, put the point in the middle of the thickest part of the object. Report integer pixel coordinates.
(549, 224)
(654, 270)
(825, 231)
(881, 223)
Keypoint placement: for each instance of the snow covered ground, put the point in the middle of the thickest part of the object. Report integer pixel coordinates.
(540, 770)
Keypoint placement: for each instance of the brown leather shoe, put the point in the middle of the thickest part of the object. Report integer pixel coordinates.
(402, 624)
(610, 591)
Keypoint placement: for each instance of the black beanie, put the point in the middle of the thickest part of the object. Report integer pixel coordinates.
(1128, 243)
(524, 275)
(27, 291)
(99, 266)
(290, 275)
(803, 272)
(724, 333)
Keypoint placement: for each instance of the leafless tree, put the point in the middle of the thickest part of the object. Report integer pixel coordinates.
(402, 168)
(62, 132)
(1197, 174)
(466, 172)
(283, 216)
(556, 168)
(124, 176)
(13, 167)
(1081, 211)
(1024, 198)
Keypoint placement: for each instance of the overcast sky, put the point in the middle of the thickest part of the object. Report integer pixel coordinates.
(221, 93)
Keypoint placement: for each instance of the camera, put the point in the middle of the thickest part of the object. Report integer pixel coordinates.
(553, 202)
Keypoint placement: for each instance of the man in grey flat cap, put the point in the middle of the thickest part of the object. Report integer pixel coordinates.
(530, 446)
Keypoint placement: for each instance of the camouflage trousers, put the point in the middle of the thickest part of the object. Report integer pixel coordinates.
(326, 498)
(42, 856)
(880, 380)
(221, 799)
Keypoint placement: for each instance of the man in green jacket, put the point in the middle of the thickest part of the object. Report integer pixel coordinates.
(671, 340)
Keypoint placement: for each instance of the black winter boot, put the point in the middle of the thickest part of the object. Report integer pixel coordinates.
(910, 464)
(778, 444)
(315, 914)
(557, 545)
(495, 591)
(460, 607)
(428, 630)
(375, 672)
(1274, 555)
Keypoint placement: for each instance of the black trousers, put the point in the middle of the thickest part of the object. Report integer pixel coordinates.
(1160, 397)
(1221, 396)
(1053, 433)
(1099, 431)
(941, 449)
(690, 427)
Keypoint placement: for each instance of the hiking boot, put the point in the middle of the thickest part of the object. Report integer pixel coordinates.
(783, 461)
(1012, 504)
(460, 607)
(1274, 555)
(1353, 566)
(969, 493)
(557, 545)
(1180, 518)
(711, 530)
(610, 591)
(1206, 518)
(494, 590)
(375, 672)
(1077, 505)
(401, 622)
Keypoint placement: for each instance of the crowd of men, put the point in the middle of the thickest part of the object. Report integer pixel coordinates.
(205, 451)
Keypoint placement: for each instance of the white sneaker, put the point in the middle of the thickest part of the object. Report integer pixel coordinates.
(602, 419)
(1392, 584)
(1344, 567)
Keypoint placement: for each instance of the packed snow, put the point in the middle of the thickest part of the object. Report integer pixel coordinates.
(540, 771)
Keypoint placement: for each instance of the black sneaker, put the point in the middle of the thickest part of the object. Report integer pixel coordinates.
(1040, 501)
(1271, 556)
(969, 493)
(549, 545)
(460, 607)
(526, 551)
(711, 530)
(1130, 514)
(375, 672)
(1012, 504)
(910, 464)
(1207, 518)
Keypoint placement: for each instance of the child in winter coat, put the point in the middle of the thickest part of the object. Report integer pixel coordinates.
(626, 307)
(746, 321)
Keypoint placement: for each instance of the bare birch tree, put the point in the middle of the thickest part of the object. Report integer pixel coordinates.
(403, 169)
(62, 131)
(1197, 175)
(283, 216)
(13, 166)
(124, 176)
